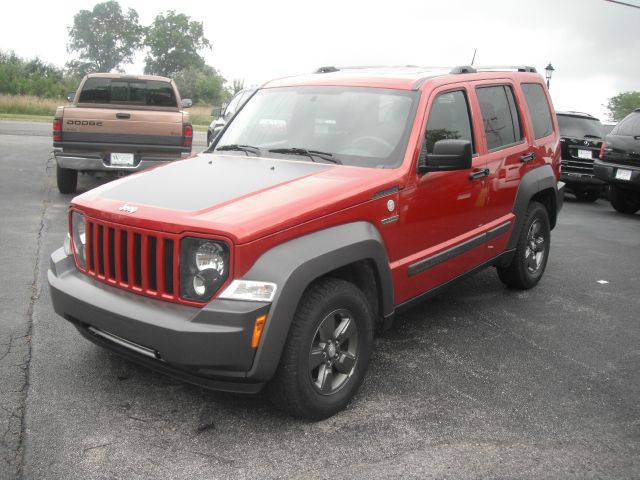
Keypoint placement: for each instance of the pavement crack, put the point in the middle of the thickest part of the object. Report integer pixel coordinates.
(102, 445)
(36, 289)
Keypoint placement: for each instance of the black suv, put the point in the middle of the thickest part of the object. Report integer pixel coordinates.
(581, 137)
(619, 164)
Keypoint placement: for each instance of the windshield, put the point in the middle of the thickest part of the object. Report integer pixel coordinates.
(580, 127)
(366, 127)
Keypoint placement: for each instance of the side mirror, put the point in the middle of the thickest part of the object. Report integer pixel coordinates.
(447, 155)
(216, 112)
(187, 103)
(71, 96)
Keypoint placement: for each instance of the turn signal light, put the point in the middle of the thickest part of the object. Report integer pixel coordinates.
(57, 129)
(187, 133)
(601, 155)
(258, 327)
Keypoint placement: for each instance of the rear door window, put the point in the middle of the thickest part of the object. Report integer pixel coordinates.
(500, 116)
(128, 92)
(539, 109)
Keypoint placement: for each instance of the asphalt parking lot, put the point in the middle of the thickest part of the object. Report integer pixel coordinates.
(479, 382)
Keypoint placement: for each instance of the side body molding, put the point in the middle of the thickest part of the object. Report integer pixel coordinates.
(533, 182)
(293, 265)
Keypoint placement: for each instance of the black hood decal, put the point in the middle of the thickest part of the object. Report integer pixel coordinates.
(207, 180)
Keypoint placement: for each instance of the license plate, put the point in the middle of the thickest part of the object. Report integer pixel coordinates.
(622, 174)
(585, 154)
(122, 159)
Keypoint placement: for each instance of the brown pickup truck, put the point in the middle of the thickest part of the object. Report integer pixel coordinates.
(118, 124)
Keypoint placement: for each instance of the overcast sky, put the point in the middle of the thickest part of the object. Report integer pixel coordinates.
(594, 45)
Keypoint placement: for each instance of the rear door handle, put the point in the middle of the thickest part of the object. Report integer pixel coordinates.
(476, 174)
(123, 116)
(528, 157)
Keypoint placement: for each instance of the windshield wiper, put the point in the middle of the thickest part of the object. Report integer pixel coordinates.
(309, 153)
(240, 148)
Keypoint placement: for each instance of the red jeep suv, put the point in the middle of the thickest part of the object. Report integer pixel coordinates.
(330, 202)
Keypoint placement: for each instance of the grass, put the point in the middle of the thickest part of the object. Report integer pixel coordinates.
(36, 109)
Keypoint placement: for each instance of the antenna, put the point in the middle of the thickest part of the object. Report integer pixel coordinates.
(474, 56)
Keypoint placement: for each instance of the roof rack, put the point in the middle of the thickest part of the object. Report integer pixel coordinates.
(329, 69)
(497, 68)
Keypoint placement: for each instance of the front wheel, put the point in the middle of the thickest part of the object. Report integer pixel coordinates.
(327, 352)
(532, 250)
(624, 201)
(587, 195)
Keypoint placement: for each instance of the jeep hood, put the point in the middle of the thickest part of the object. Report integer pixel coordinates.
(239, 197)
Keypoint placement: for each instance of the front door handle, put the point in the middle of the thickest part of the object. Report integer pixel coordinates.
(476, 174)
(123, 116)
(528, 157)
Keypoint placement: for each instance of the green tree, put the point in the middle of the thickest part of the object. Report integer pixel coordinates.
(622, 105)
(173, 42)
(201, 84)
(104, 38)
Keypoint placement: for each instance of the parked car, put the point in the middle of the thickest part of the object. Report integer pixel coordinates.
(619, 164)
(581, 137)
(119, 124)
(223, 114)
(329, 203)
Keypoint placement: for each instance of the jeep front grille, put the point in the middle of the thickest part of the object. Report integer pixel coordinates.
(131, 258)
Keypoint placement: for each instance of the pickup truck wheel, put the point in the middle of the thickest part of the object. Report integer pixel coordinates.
(67, 180)
(624, 201)
(327, 352)
(532, 251)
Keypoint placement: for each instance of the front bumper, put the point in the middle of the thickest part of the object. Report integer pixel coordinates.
(209, 346)
(99, 162)
(607, 172)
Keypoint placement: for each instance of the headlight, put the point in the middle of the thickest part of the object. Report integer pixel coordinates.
(204, 267)
(250, 290)
(78, 238)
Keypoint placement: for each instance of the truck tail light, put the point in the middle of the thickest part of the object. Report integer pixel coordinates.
(57, 129)
(187, 134)
(601, 154)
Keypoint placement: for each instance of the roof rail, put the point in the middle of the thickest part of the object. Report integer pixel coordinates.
(329, 69)
(497, 68)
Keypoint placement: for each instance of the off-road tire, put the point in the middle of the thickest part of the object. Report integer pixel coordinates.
(518, 274)
(624, 201)
(293, 389)
(67, 180)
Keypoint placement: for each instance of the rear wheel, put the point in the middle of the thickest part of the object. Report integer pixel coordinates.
(67, 180)
(624, 201)
(327, 351)
(532, 250)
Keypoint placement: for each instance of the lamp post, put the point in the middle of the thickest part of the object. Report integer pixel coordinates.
(548, 71)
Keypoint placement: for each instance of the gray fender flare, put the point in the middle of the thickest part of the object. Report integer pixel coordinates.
(293, 265)
(533, 182)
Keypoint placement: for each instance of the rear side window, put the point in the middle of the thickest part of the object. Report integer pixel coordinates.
(539, 108)
(448, 119)
(128, 92)
(500, 116)
(630, 125)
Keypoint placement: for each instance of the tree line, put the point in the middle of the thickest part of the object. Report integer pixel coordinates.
(106, 38)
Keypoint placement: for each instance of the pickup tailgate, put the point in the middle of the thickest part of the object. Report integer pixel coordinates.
(86, 127)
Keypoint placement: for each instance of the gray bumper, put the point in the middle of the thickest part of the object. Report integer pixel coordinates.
(607, 172)
(98, 162)
(560, 196)
(209, 346)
